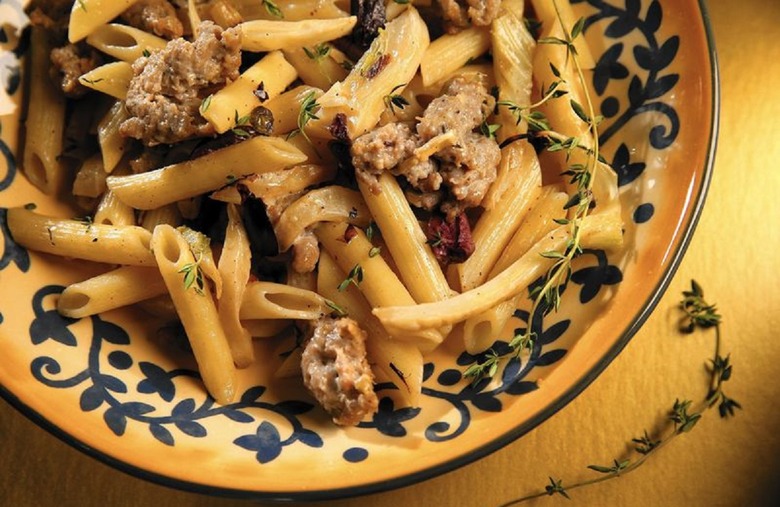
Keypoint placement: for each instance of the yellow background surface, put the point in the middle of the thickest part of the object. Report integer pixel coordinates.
(734, 254)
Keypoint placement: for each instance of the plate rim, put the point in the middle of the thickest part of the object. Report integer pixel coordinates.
(486, 449)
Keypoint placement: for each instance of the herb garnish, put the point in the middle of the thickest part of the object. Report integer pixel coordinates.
(489, 129)
(273, 9)
(680, 419)
(319, 52)
(338, 311)
(355, 276)
(307, 112)
(240, 121)
(546, 297)
(393, 100)
(204, 105)
(193, 276)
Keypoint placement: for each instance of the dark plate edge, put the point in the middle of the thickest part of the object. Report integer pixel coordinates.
(413, 478)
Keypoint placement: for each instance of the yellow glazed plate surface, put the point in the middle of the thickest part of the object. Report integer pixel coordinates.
(117, 388)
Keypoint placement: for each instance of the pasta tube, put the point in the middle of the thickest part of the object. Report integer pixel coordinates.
(234, 264)
(121, 287)
(512, 48)
(316, 69)
(81, 239)
(87, 15)
(290, 10)
(45, 121)
(392, 60)
(378, 283)
(521, 182)
(417, 266)
(237, 99)
(200, 175)
(112, 79)
(197, 312)
(267, 300)
(327, 204)
(112, 143)
(112, 211)
(396, 361)
(124, 42)
(451, 51)
(262, 35)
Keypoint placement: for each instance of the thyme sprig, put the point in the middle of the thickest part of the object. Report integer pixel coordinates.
(681, 419)
(306, 113)
(546, 297)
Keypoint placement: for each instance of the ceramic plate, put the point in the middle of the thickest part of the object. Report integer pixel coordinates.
(117, 388)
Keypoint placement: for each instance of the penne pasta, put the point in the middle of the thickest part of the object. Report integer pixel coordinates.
(286, 108)
(396, 361)
(226, 107)
(512, 49)
(45, 122)
(327, 204)
(112, 79)
(392, 60)
(204, 174)
(290, 10)
(87, 15)
(120, 287)
(112, 144)
(319, 66)
(520, 180)
(234, 263)
(266, 35)
(81, 239)
(277, 184)
(267, 300)
(197, 312)
(451, 51)
(406, 241)
(378, 283)
(124, 42)
(112, 211)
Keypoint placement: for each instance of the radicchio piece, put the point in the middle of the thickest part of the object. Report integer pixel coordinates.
(349, 233)
(451, 242)
(338, 128)
(371, 16)
(259, 230)
(378, 66)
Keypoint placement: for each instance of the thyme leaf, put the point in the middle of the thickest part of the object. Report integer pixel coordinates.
(318, 52)
(393, 100)
(193, 276)
(273, 9)
(355, 277)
